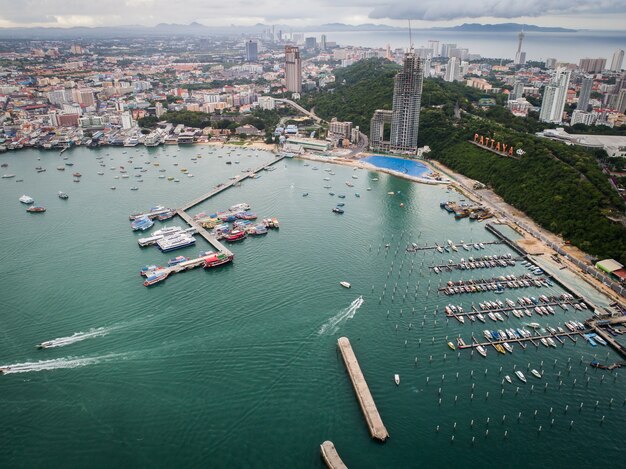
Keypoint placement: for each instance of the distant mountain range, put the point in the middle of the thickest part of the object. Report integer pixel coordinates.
(197, 29)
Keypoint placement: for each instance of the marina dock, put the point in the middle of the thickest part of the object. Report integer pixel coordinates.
(151, 215)
(522, 340)
(595, 326)
(372, 417)
(331, 457)
(459, 246)
(507, 309)
(223, 187)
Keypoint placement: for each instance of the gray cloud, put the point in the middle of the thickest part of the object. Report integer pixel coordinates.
(439, 10)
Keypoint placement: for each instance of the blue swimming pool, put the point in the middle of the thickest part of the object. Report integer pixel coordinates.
(409, 167)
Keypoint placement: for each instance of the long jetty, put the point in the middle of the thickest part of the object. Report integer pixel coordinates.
(426, 247)
(232, 182)
(202, 232)
(520, 340)
(331, 457)
(372, 417)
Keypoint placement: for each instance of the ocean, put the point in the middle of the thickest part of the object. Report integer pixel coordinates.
(238, 366)
(565, 47)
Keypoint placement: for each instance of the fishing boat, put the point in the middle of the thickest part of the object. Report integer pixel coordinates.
(396, 379)
(235, 235)
(217, 259)
(155, 277)
(521, 376)
(451, 345)
(481, 350)
(177, 260)
(63, 195)
(508, 379)
(345, 284)
(25, 199)
(535, 373)
(36, 209)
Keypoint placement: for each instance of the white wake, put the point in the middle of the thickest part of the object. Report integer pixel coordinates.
(332, 325)
(54, 364)
(76, 337)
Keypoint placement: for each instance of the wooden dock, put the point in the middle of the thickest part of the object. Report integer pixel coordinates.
(483, 283)
(232, 182)
(520, 340)
(459, 247)
(202, 232)
(596, 327)
(507, 309)
(458, 265)
(331, 457)
(372, 417)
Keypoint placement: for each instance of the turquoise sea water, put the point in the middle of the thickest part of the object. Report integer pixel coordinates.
(238, 366)
(401, 165)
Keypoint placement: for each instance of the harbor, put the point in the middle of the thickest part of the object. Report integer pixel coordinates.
(216, 355)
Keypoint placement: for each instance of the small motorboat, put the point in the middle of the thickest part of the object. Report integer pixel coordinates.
(481, 350)
(338, 210)
(521, 376)
(396, 378)
(508, 379)
(535, 373)
(451, 345)
(25, 199)
(63, 195)
(345, 284)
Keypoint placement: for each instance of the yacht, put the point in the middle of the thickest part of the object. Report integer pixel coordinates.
(535, 373)
(521, 376)
(26, 199)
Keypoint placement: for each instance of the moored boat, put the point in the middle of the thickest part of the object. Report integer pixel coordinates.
(154, 277)
(396, 379)
(345, 284)
(535, 373)
(36, 209)
(235, 235)
(63, 195)
(216, 259)
(481, 350)
(25, 199)
(177, 260)
(451, 345)
(521, 376)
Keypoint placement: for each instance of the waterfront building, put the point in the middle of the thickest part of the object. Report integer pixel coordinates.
(340, 129)
(588, 65)
(585, 92)
(251, 51)
(554, 95)
(618, 59)
(293, 69)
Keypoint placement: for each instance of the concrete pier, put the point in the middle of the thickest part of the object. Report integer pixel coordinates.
(202, 232)
(372, 417)
(595, 326)
(331, 457)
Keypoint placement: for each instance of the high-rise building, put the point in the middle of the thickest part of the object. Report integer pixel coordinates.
(518, 91)
(554, 96)
(588, 65)
(445, 50)
(453, 70)
(434, 46)
(520, 57)
(323, 42)
(293, 69)
(581, 117)
(251, 51)
(550, 63)
(404, 117)
(585, 92)
(407, 101)
(621, 101)
(310, 43)
(618, 59)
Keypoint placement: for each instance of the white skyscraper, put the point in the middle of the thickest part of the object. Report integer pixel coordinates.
(453, 69)
(554, 97)
(618, 58)
(520, 57)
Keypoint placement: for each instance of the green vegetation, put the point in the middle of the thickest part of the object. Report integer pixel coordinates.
(187, 118)
(561, 187)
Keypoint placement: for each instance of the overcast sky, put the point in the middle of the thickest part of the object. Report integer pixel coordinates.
(581, 14)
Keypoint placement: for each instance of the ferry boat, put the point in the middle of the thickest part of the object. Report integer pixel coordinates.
(36, 209)
(141, 224)
(535, 373)
(177, 260)
(63, 195)
(521, 376)
(235, 235)
(25, 199)
(176, 241)
(155, 277)
(217, 259)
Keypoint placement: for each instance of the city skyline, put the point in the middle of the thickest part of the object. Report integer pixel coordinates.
(579, 14)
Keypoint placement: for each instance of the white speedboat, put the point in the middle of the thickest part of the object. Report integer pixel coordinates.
(507, 347)
(535, 373)
(508, 379)
(480, 349)
(26, 199)
(345, 284)
(521, 376)
(396, 378)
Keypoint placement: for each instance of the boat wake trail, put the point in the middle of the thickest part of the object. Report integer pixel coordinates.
(77, 337)
(332, 325)
(55, 364)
